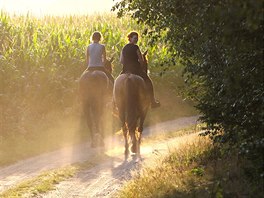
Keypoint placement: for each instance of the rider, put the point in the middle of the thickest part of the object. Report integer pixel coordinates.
(96, 55)
(133, 62)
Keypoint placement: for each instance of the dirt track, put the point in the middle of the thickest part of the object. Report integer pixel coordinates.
(103, 180)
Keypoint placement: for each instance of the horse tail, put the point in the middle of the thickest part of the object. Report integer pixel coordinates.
(131, 103)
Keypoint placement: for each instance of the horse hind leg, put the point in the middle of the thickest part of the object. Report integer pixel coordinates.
(139, 135)
(124, 128)
(90, 125)
(125, 134)
(139, 132)
(100, 127)
(98, 135)
(132, 132)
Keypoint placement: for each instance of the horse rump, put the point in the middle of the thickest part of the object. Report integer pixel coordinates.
(93, 87)
(131, 99)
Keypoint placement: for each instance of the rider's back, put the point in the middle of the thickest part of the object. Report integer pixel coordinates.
(95, 52)
(131, 63)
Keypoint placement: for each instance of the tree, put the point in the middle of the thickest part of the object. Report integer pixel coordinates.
(221, 45)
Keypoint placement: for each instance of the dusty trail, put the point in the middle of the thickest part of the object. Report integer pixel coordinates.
(102, 180)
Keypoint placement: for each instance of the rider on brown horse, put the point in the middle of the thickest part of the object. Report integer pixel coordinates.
(133, 62)
(96, 89)
(96, 56)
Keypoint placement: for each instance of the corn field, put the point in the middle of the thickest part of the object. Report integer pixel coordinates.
(41, 60)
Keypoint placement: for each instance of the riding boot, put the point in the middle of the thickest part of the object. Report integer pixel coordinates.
(154, 103)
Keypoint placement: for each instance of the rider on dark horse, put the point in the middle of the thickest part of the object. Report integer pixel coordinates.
(133, 62)
(96, 56)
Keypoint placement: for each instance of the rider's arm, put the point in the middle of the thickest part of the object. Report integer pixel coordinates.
(140, 58)
(121, 57)
(87, 56)
(104, 55)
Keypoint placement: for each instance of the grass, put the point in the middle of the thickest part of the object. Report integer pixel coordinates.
(172, 134)
(65, 133)
(41, 60)
(167, 88)
(194, 169)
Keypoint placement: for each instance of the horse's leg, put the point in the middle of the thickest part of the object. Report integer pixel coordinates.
(121, 114)
(87, 112)
(100, 110)
(125, 134)
(132, 132)
(100, 125)
(95, 114)
(140, 130)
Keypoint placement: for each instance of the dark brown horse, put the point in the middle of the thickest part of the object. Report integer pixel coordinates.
(132, 101)
(95, 91)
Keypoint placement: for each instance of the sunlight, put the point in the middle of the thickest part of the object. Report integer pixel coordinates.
(56, 7)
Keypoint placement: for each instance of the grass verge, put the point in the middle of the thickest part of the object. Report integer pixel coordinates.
(195, 169)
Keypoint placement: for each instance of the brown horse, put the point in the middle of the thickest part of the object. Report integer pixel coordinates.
(133, 101)
(95, 90)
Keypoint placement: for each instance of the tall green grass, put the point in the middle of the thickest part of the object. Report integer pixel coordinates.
(41, 60)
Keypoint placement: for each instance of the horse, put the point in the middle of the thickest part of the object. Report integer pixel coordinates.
(95, 89)
(132, 102)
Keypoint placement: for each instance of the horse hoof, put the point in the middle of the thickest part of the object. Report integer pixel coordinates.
(138, 159)
(133, 148)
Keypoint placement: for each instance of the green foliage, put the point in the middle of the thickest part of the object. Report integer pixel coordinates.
(41, 60)
(221, 45)
(198, 171)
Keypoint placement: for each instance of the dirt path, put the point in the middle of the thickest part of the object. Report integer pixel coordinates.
(102, 180)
